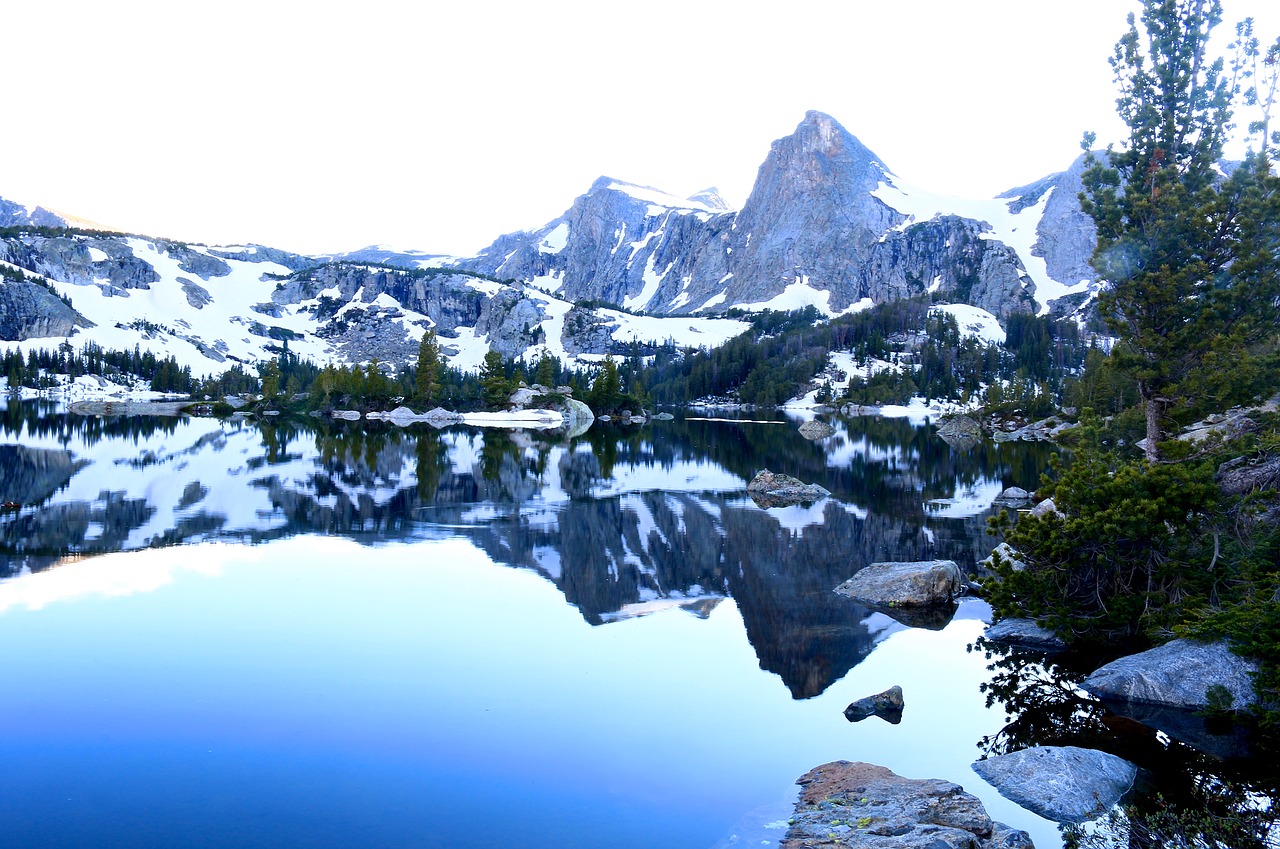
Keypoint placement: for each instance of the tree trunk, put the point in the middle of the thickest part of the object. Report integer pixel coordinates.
(1154, 406)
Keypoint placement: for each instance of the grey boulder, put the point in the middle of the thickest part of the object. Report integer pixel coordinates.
(1061, 783)
(1178, 674)
(887, 705)
(909, 584)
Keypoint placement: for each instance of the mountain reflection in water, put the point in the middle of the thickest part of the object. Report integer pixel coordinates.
(624, 521)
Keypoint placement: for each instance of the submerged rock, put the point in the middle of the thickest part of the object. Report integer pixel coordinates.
(1179, 674)
(773, 490)
(1061, 783)
(1026, 633)
(846, 804)
(887, 705)
(911, 584)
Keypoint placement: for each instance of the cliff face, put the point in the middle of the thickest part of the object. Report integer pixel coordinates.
(815, 219)
(30, 311)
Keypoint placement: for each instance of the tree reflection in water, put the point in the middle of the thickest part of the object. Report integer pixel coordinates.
(1184, 797)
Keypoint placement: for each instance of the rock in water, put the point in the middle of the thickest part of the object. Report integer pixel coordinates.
(1178, 674)
(844, 804)
(772, 490)
(910, 584)
(887, 705)
(1026, 633)
(960, 432)
(815, 429)
(1061, 783)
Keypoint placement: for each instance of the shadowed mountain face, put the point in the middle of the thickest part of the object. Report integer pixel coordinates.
(623, 522)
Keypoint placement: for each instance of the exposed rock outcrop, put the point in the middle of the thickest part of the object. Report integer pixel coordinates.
(1061, 783)
(920, 583)
(30, 311)
(846, 804)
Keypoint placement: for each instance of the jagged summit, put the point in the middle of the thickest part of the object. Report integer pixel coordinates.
(710, 197)
(657, 197)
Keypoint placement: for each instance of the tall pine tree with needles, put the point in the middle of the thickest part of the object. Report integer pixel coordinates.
(1189, 252)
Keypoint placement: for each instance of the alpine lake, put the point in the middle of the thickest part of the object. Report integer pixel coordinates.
(303, 634)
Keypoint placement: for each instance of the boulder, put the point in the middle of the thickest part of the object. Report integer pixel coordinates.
(1178, 674)
(522, 397)
(1025, 633)
(1006, 553)
(846, 804)
(1047, 508)
(578, 417)
(816, 430)
(1061, 783)
(1014, 494)
(774, 490)
(887, 705)
(910, 584)
(960, 432)
(440, 417)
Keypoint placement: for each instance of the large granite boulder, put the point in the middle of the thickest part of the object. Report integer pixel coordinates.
(1179, 674)
(845, 804)
(911, 584)
(768, 489)
(1061, 783)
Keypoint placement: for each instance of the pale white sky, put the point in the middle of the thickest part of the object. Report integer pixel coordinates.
(321, 126)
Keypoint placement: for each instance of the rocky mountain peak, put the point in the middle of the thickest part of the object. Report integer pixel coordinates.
(710, 197)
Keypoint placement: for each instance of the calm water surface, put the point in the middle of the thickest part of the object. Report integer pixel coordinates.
(225, 635)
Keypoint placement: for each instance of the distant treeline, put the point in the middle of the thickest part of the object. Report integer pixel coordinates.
(898, 350)
(782, 352)
(37, 368)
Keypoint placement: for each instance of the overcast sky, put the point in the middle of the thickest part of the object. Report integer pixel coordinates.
(318, 126)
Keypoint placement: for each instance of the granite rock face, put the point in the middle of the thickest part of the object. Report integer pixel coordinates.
(1065, 236)
(1176, 674)
(30, 311)
(846, 804)
(813, 217)
(1061, 783)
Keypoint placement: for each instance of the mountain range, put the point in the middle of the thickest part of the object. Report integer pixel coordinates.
(827, 224)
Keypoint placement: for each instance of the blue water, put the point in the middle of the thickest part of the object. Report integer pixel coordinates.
(314, 692)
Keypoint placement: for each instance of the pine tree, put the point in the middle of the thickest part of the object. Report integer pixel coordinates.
(427, 374)
(1189, 255)
(493, 380)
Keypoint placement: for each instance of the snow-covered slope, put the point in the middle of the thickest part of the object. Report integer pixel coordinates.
(827, 225)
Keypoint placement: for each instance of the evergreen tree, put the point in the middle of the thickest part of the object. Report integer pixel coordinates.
(606, 389)
(427, 374)
(493, 380)
(1189, 256)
